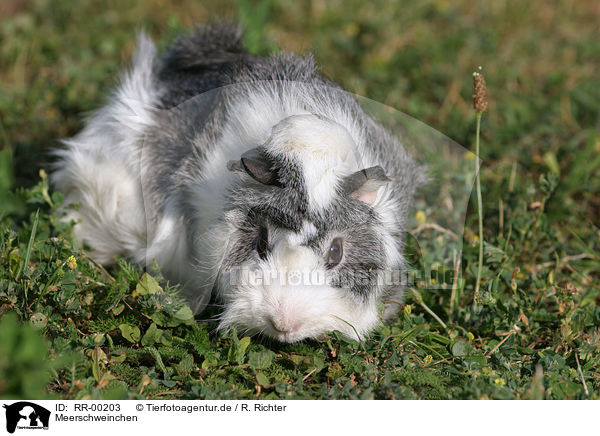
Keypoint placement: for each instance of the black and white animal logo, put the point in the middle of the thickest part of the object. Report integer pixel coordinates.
(26, 415)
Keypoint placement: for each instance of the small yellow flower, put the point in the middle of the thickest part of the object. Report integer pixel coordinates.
(499, 382)
(71, 262)
(428, 359)
(407, 309)
(572, 372)
(420, 217)
(470, 336)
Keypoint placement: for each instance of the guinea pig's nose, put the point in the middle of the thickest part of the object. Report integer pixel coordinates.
(284, 324)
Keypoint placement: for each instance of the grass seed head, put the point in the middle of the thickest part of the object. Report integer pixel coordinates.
(480, 101)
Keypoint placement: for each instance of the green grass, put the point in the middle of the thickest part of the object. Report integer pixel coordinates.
(79, 331)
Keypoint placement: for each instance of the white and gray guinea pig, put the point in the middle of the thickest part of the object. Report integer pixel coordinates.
(253, 181)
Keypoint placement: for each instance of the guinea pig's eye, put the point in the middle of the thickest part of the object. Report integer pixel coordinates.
(335, 253)
(261, 243)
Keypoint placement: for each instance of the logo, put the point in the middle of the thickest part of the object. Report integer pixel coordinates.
(26, 415)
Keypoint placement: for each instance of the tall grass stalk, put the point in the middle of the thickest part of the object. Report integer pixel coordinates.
(479, 206)
(480, 104)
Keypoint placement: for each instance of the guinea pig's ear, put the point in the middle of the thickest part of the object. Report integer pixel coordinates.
(258, 165)
(364, 184)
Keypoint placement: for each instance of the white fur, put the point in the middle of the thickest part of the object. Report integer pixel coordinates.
(307, 232)
(324, 150)
(111, 217)
(100, 168)
(287, 297)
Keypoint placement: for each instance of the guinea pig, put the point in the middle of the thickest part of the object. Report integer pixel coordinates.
(254, 181)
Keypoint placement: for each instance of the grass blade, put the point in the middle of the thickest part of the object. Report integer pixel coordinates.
(29, 246)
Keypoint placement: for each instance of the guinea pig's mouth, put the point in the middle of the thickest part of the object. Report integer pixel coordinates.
(290, 330)
(277, 328)
(285, 336)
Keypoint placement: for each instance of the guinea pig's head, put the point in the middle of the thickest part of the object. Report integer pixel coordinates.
(311, 236)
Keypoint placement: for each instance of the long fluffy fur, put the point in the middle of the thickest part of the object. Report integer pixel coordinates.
(148, 170)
